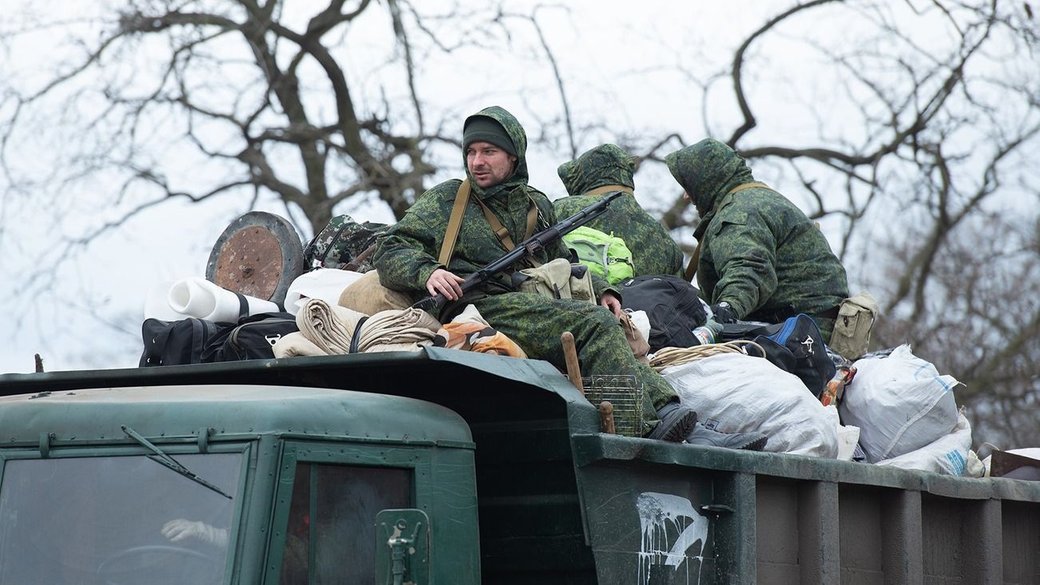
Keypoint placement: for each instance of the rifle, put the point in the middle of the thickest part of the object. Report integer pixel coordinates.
(530, 246)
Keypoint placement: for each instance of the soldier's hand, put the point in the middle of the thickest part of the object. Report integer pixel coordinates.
(445, 283)
(181, 529)
(723, 313)
(610, 301)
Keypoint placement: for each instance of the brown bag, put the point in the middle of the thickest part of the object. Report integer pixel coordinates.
(366, 295)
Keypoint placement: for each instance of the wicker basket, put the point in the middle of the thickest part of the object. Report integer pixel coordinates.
(625, 394)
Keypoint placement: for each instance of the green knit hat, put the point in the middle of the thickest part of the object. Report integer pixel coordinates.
(485, 129)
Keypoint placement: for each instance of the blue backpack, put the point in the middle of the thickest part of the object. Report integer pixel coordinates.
(795, 345)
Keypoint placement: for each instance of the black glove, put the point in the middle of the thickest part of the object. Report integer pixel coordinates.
(723, 313)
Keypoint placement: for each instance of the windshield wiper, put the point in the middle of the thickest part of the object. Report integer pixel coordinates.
(164, 459)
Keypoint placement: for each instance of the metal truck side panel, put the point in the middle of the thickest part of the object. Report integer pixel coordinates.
(677, 514)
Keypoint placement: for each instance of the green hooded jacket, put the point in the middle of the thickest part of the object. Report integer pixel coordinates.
(407, 253)
(653, 249)
(759, 252)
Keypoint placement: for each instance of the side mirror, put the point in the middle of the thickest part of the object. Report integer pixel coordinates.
(402, 547)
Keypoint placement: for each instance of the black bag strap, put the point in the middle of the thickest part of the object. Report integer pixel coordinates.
(243, 305)
(356, 337)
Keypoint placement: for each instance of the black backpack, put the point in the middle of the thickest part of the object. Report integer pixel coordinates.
(795, 346)
(672, 305)
(169, 343)
(253, 337)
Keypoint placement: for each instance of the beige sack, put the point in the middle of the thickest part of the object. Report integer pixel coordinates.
(856, 317)
(555, 280)
(366, 295)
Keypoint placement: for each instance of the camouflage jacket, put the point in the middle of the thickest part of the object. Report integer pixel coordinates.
(759, 252)
(653, 249)
(407, 252)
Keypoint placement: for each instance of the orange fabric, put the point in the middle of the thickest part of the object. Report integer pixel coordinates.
(477, 337)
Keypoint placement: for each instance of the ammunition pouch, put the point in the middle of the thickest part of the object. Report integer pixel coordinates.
(558, 279)
(856, 317)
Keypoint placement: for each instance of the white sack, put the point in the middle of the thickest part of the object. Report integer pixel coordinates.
(947, 455)
(746, 394)
(326, 284)
(848, 436)
(900, 403)
(202, 299)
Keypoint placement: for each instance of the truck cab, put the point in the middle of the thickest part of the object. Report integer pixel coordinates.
(228, 482)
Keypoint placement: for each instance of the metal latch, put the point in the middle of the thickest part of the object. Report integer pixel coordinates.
(402, 547)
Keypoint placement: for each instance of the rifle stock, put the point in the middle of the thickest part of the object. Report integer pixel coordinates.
(531, 246)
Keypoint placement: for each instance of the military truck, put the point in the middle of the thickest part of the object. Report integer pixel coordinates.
(453, 468)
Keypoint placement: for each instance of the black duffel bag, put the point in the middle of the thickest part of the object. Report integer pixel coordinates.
(195, 341)
(171, 343)
(253, 337)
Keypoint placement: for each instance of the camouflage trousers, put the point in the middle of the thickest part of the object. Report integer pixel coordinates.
(535, 323)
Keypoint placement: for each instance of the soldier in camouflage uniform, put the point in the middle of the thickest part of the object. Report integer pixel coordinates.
(494, 148)
(761, 258)
(608, 168)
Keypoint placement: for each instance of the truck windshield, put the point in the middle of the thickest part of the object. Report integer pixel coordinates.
(115, 520)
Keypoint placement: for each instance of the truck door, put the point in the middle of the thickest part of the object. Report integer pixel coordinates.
(327, 500)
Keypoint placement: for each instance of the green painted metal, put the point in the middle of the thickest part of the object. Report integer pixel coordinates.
(555, 500)
(180, 411)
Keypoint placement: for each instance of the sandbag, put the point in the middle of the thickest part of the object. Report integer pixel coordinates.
(368, 297)
(327, 284)
(947, 455)
(737, 393)
(899, 402)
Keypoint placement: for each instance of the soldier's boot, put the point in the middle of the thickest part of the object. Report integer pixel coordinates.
(677, 421)
(703, 436)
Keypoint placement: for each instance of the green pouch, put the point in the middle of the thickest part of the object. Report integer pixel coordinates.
(558, 279)
(856, 317)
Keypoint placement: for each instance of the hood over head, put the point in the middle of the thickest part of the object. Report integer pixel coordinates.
(707, 171)
(515, 132)
(606, 164)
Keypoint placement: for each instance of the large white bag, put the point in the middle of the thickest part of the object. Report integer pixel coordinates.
(900, 403)
(743, 394)
(947, 455)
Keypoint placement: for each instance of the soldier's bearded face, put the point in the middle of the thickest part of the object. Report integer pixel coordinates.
(488, 164)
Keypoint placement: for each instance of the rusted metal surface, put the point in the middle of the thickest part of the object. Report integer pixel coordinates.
(250, 262)
(258, 255)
